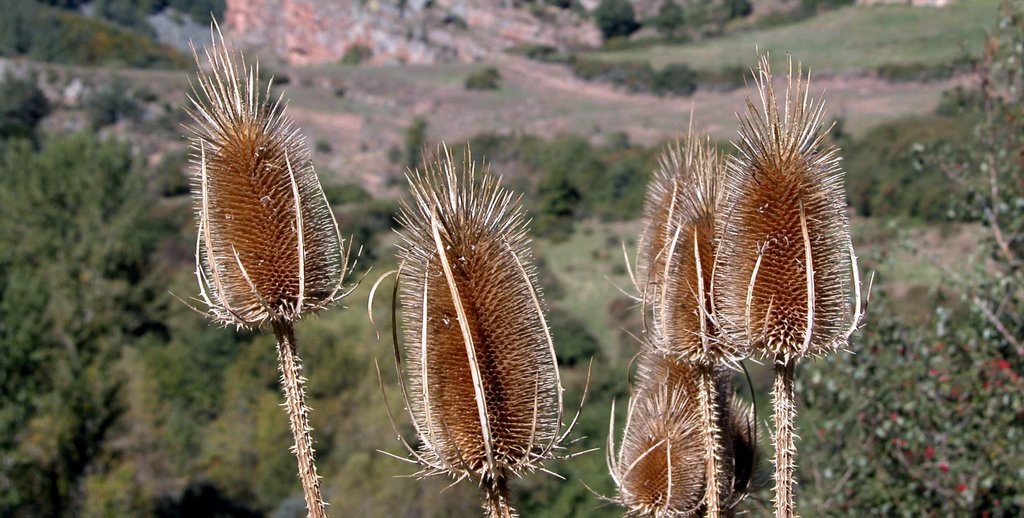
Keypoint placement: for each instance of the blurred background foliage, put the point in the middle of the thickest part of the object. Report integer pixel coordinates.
(117, 400)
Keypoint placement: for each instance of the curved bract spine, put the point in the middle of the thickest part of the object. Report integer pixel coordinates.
(484, 388)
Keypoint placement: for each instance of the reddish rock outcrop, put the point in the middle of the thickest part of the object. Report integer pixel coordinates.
(305, 32)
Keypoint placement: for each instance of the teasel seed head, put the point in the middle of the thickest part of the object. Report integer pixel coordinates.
(786, 260)
(268, 245)
(666, 402)
(746, 451)
(485, 394)
(657, 468)
(665, 208)
(683, 306)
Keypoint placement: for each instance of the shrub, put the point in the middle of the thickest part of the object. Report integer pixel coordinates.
(323, 146)
(817, 6)
(639, 76)
(169, 177)
(356, 54)
(675, 79)
(722, 79)
(111, 103)
(346, 193)
(616, 18)
(199, 10)
(484, 79)
(414, 138)
(22, 106)
(545, 53)
(130, 14)
(888, 175)
(45, 33)
(670, 18)
(738, 8)
(77, 256)
(633, 76)
(575, 345)
(897, 72)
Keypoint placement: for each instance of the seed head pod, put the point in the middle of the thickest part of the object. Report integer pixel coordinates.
(485, 396)
(666, 402)
(268, 245)
(785, 261)
(684, 303)
(678, 257)
(657, 468)
(745, 450)
(660, 216)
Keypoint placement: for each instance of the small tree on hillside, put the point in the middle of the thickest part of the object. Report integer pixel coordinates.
(670, 18)
(22, 106)
(616, 18)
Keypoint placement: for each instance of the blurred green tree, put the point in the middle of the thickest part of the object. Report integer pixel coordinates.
(670, 18)
(616, 18)
(22, 106)
(73, 274)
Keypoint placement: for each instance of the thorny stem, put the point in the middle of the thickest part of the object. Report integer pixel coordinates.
(710, 437)
(785, 447)
(497, 503)
(290, 365)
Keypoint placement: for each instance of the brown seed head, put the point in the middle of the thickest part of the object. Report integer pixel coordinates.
(268, 245)
(485, 393)
(785, 263)
(678, 251)
(658, 468)
(744, 445)
(660, 217)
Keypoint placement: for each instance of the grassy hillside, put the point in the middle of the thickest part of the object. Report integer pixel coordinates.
(852, 38)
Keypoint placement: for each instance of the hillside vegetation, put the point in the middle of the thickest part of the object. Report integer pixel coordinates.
(845, 40)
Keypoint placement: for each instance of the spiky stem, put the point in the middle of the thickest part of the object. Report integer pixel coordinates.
(710, 436)
(785, 446)
(497, 503)
(298, 414)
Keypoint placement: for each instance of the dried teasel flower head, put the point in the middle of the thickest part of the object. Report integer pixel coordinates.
(662, 212)
(485, 394)
(744, 447)
(786, 262)
(658, 467)
(268, 245)
(683, 302)
(667, 402)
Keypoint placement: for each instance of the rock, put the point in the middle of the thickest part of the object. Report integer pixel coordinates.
(73, 92)
(305, 32)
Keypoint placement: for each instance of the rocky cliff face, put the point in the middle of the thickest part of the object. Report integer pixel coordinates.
(307, 32)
